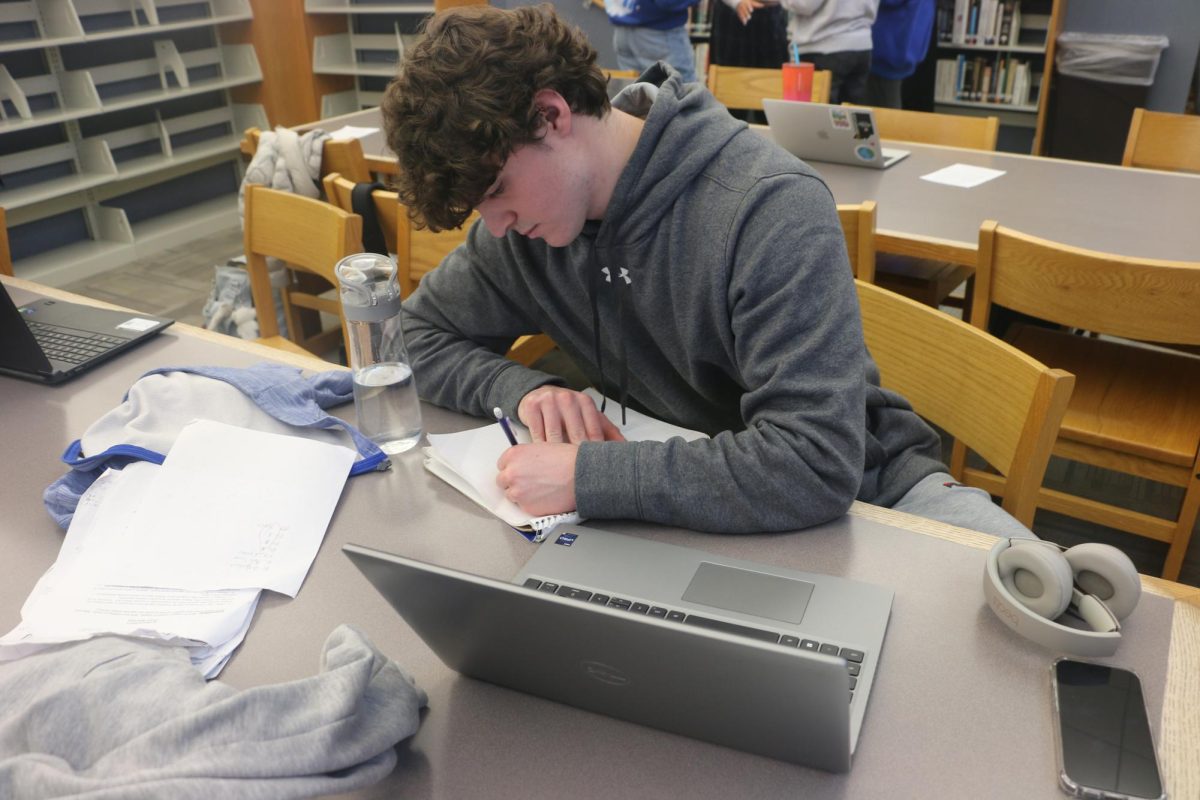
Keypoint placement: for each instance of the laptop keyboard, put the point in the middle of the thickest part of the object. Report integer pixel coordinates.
(854, 658)
(70, 346)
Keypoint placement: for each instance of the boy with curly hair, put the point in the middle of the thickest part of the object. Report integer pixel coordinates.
(681, 260)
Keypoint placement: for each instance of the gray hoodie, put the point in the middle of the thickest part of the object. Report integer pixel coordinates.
(716, 293)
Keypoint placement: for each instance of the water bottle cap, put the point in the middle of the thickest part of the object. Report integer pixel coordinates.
(368, 287)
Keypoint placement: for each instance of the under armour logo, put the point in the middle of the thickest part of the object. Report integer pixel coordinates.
(624, 275)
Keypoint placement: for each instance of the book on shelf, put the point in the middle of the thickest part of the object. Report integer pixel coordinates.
(994, 80)
(978, 22)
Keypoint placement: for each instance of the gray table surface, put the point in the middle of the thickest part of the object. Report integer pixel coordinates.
(1131, 212)
(961, 707)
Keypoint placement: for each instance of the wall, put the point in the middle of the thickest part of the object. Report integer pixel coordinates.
(1178, 20)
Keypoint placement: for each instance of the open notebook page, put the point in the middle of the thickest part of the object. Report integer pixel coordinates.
(467, 461)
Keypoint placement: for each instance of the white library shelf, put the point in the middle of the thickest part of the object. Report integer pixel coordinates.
(118, 134)
(376, 37)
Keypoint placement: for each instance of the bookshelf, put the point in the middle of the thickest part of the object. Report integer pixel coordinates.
(373, 42)
(118, 136)
(996, 58)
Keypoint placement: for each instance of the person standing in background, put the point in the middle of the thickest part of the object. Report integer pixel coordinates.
(648, 31)
(835, 35)
(748, 33)
(900, 39)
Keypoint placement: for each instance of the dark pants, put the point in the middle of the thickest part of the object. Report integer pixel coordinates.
(884, 92)
(850, 69)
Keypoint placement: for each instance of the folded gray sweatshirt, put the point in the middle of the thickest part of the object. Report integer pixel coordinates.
(130, 719)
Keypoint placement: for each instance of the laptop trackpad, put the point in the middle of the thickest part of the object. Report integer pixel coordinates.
(746, 592)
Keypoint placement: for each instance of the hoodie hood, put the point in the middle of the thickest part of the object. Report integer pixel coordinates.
(680, 118)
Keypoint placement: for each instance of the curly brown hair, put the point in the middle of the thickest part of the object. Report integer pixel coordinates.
(463, 100)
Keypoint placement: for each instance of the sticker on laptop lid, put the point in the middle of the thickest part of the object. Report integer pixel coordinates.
(839, 118)
(137, 324)
(864, 127)
(566, 539)
(864, 152)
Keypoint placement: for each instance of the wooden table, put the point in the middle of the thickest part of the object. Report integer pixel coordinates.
(1123, 210)
(960, 707)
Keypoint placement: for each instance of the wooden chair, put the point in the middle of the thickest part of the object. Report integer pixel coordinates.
(948, 130)
(309, 236)
(419, 251)
(1136, 409)
(344, 156)
(6, 267)
(1158, 140)
(620, 74)
(747, 87)
(930, 281)
(858, 223)
(992, 398)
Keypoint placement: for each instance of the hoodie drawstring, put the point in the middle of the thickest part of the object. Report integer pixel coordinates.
(623, 380)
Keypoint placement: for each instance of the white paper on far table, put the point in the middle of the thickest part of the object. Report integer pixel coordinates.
(965, 176)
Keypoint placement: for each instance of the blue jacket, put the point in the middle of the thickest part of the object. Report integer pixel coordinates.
(262, 397)
(660, 15)
(900, 37)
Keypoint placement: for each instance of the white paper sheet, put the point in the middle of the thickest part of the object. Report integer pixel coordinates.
(231, 509)
(73, 600)
(964, 176)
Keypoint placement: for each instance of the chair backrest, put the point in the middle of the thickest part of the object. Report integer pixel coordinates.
(858, 223)
(620, 74)
(747, 87)
(991, 397)
(1135, 298)
(339, 190)
(925, 127)
(345, 157)
(1159, 140)
(6, 267)
(309, 236)
(417, 251)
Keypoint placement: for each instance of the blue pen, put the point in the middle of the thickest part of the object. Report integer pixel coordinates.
(503, 420)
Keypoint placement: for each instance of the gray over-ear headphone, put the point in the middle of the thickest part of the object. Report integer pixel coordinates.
(1030, 583)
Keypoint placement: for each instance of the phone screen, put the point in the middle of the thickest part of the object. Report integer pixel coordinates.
(1103, 730)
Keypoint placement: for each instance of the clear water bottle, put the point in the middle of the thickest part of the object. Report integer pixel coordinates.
(385, 395)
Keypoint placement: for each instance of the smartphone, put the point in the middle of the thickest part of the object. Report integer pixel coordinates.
(1102, 733)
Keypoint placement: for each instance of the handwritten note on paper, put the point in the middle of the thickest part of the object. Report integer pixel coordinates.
(467, 459)
(965, 176)
(233, 508)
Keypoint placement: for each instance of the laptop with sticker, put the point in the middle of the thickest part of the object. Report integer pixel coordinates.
(822, 132)
(759, 658)
(52, 341)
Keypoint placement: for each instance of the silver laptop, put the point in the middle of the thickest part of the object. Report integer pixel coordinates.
(822, 132)
(52, 341)
(763, 659)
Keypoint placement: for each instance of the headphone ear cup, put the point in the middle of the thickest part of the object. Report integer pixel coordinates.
(1037, 576)
(1105, 572)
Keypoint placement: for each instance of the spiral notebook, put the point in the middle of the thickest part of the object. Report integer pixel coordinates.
(467, 461)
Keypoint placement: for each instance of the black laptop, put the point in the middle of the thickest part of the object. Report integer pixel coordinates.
(51, 341)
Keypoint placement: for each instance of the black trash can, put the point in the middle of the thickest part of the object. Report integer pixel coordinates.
(1099, 80)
